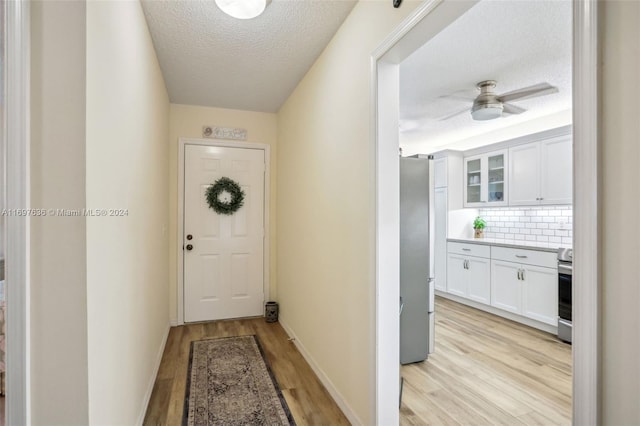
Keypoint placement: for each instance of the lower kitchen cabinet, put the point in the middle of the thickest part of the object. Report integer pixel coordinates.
(521, 282)
(540, 294)
(469, 276)
(506, 291)
(456, 275)
(526, 290)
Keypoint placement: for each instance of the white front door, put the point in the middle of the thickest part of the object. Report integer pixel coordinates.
(223, 254)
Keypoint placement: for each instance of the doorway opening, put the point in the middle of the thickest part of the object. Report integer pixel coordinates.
(424, 24)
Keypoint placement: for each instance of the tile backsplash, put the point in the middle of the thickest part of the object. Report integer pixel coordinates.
(548, 224)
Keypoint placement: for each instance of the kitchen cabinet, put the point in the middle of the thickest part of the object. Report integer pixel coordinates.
(506, 291)
(528, 287)
(447, 180)
(479, 279)
(469, 276)
(517, 283)
(447, 173)
(456, 275)
(485, 180)
(556, 180)
(540, 294)
(541, 172)
(440, 238)
(440, 172)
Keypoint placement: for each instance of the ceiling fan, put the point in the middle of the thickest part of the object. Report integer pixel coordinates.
(488, 105)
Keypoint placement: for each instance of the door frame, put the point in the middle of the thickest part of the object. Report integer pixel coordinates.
(425, 22)
(182, 143)
(17, 160)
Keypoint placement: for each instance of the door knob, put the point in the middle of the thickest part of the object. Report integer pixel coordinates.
(189, 237)
(189, 247)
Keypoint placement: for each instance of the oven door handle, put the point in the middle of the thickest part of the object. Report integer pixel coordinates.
(565, 269)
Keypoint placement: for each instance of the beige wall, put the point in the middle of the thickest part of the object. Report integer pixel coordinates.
(127, 168)
(620, 211)
(324, 205)
(58, 311)
(187, 122)
(99, 293)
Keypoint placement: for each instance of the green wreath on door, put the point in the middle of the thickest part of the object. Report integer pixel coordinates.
(222, 206)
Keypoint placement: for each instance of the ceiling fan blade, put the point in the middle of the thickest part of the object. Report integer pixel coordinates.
(539, 89)
(457, 97)
(512, 109)
(446, 117)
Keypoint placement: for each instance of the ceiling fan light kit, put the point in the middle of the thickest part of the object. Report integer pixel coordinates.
(486, 112)
(486, 106)
(243, 9)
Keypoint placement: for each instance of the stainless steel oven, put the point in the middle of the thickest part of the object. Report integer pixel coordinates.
(565, 278)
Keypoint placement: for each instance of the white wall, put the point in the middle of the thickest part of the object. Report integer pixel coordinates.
(187, 122)
(324, 208)
(58, 244)
(127, 168)
(620, 211)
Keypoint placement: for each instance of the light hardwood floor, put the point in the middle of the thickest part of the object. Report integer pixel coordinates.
(308, 400)
(487, 370)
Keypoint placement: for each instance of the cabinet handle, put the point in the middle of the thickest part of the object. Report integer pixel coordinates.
(521, 256)
(466, 249)
(522, 275)
(518, 274)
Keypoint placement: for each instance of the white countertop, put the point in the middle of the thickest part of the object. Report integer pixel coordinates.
(534, 245)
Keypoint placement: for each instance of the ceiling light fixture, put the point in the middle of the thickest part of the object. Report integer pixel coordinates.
(482, 112)
(242, 9)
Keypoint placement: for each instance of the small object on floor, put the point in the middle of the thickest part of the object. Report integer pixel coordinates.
(271, 311)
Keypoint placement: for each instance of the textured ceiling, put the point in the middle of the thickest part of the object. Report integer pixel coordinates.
(517, 43)
(209, 58)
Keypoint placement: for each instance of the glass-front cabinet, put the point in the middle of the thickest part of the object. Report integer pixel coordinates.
(474, 180)
(485, 183)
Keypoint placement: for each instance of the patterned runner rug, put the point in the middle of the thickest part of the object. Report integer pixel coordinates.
(230, 383)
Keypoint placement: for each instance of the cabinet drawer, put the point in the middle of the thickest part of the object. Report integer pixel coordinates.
(479, 250)
(527, 257)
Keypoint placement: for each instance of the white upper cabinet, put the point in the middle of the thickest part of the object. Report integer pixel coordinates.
(556, 181)
(485, 182)
(440, 172)
(524, 174)
(540, 172)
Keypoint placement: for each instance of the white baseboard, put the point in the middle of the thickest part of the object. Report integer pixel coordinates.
(499, 312)
(152, 380)
(324, 379)
(173, 323)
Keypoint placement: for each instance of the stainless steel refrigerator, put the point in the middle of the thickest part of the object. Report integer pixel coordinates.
(417, 320)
